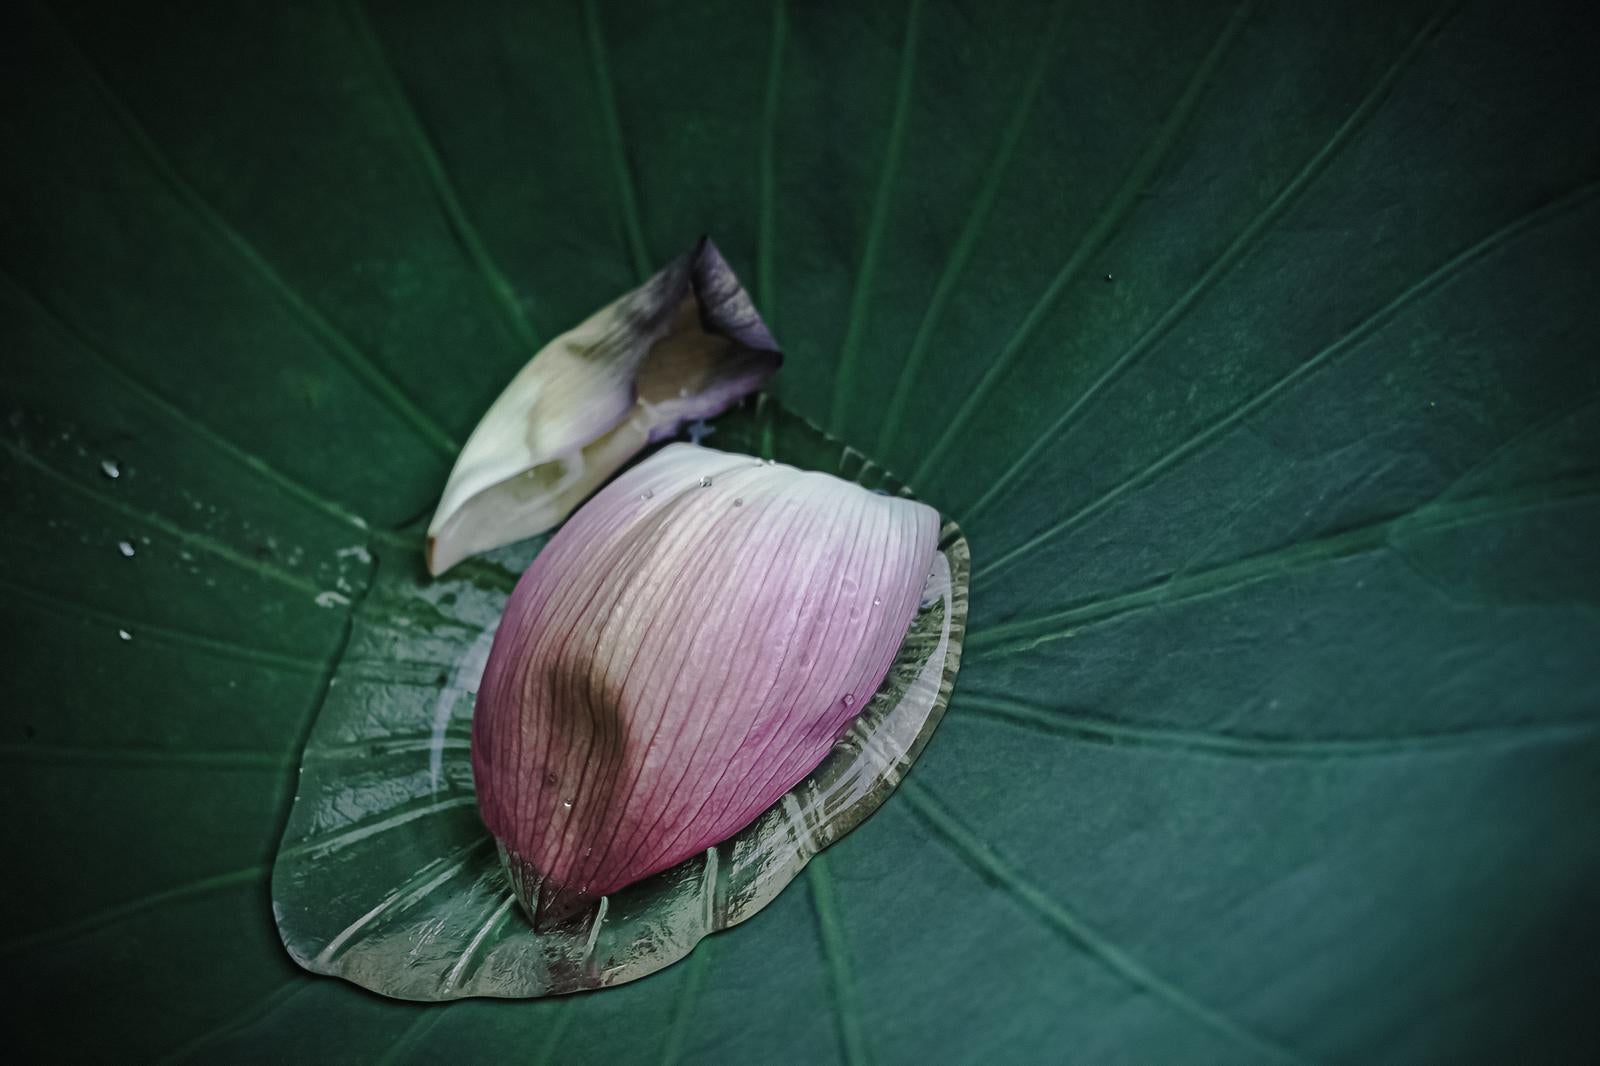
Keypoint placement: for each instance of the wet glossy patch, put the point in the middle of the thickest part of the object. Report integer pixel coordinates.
(387, 877)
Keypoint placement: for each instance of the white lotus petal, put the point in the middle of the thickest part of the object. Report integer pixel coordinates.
(685, 345)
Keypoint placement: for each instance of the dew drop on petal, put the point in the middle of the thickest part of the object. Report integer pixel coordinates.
(646, 494)
(110, 469)
(705, 482)
(567, 804)
(126, 548)
(738, 501)
(877, 601)
(849, 699)
(549, 779)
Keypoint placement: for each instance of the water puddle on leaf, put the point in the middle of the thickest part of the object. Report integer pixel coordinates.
(386, 876)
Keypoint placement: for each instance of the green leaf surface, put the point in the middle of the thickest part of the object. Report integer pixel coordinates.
(1253, 346)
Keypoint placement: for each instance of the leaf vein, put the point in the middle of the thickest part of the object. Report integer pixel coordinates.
(198, 541)
(1056, 916)
(427, 154)
(332, 340)
(1020, 714)
(1104, 226)
(877, 222)
(683, 1010)
(81, 340)
(1429, 282)
(611, 121)
(971, 230)
(199, 887)
(53, 603)
(1235, 251)
(767, 223)
(835, 956)
(1435, 516)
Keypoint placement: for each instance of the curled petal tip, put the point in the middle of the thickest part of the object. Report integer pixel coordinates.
(685, 345)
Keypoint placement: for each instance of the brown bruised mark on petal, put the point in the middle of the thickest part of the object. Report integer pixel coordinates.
(685, 345)
(671, 667)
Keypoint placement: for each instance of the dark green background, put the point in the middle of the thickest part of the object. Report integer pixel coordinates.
(1254, 347)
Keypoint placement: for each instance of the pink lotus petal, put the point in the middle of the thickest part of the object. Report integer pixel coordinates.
(687, 344)
(683, 652)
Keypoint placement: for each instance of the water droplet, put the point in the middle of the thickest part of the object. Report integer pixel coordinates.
(124, 634)
(738, 501)
(126, 548)
(772, 462)
(855, 612)
(646, 494)
(849, 699)
(567, 804)
(1108, 277)
(705, 482)
(549, 779)
(110, 469)
(877, 601)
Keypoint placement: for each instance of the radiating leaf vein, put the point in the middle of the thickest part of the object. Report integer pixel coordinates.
(74, 755)
(1057, 722)
(835, 956)
(54, 603)
(333, 341)
(845, 370)
(198, 541)
(683, 1012)
(1104, 226)
(1435, 516)
(1220, 426)
(989, 864)
(134, 385)
(323, 844)
(427, 1017)
(470, 952)
(1235, 251)
(261, 1008)
(416, 135)
(971, 230)
(417, 887)
(611, 122)
(88, 923)
(767, 222)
